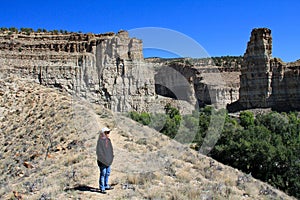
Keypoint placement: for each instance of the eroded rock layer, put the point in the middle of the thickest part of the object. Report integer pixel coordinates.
(108, 69)
(266, 81)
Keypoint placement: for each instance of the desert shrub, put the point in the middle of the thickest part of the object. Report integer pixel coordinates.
(140, 178)
(27, 30)
(13, 30)
(167, 123)
(143, 118)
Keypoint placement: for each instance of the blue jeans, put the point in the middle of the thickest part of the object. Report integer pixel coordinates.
(104, 175)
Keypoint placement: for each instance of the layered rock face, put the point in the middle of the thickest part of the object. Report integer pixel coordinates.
(107, 69)
(197, 81)
(256, 74)
(285, 86)
(104, 68)
(266, 81)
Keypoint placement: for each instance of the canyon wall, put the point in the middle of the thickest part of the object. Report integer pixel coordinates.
(266, 82)
(204, 82)
(108, 69)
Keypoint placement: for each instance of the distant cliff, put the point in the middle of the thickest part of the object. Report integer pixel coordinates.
(109, 69)
(104, 68)
(210, 80)
(267, 82)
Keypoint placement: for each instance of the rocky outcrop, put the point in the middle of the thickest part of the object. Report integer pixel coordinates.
(255, 80)
(266, 81)
(107, 69)
(285, 86)
(198, 81)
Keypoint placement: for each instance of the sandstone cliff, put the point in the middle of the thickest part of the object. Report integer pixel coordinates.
(106, 68)
(109, 69)
(205, 83)
(266, 81)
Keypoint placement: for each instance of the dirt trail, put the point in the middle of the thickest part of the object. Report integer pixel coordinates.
(48, 152)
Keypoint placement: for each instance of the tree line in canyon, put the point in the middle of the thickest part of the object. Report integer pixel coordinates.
(266, 145)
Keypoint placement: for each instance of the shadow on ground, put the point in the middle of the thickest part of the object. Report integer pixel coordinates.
(85, 188)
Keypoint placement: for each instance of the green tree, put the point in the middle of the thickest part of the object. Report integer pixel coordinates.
(269, 148)
(171, 111)
(143, 118)
(247, 119)
(13, 29)
(3, 29)
(173, 120)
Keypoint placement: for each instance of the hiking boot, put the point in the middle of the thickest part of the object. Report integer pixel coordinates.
(103, 192)
(109, 188)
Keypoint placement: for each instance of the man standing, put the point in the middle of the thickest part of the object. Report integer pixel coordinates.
(105, 156)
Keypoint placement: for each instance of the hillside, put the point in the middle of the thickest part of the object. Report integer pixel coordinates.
(48, 152)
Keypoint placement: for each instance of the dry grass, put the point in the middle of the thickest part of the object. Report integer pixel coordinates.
(55, 135)
(185, 175)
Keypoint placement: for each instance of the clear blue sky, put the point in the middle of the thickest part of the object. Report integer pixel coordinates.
(221, 27)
